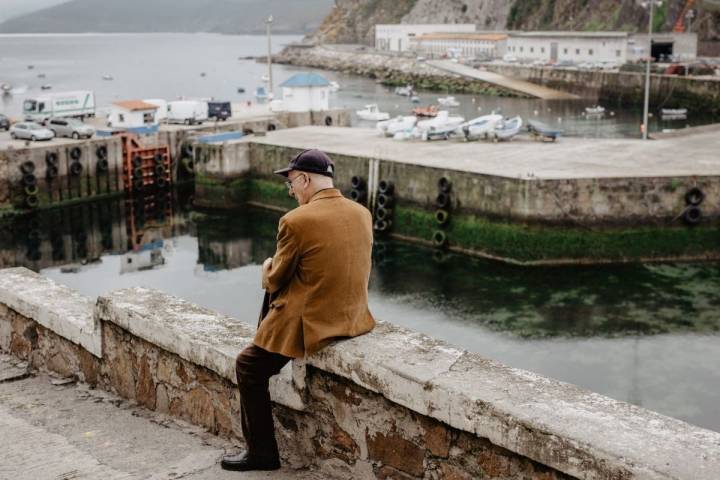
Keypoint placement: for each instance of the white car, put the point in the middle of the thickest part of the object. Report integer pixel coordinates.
(30, 131)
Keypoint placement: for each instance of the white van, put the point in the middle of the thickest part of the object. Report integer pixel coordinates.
(62, 104)
(189, 112)
(162, 112)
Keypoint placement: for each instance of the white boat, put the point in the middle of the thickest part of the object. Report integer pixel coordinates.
(506, 129)
(334, 86)
(107, 77)
(372, 113)
(443, 126)
(406, 91)
(401, 123)
(448, 101)
(415, 99)
(596, 110)
(479, 127)
(674, 112)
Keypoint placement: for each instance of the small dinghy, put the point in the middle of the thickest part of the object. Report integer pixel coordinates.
(541, 131)
(372, 113)
(673, 113)
(415, 99)
(401, 123)
(428, 112)
(443, 126)
(596, 110)
(479, 127)
(241, 90)
(448, 101)
(107, 77)
(47, 86)
(406, 91)
(506, 129)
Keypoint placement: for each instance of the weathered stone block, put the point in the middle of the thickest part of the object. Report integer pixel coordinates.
(396, 451)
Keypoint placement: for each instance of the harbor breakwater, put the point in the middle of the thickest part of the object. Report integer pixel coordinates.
(389, 404)
(390, 70)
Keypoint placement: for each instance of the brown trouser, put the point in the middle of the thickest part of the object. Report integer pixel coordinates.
(254, 367)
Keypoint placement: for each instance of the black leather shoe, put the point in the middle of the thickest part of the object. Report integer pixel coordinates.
(242, 462)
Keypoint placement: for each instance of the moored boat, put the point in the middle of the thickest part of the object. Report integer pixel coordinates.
(372, 113)
(429, 111)
(448, 101)
(479, 127)
(596, 110)
(398, 124)
(542, 131)
(506, 129)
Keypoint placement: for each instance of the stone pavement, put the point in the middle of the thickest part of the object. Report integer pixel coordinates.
(54, 429)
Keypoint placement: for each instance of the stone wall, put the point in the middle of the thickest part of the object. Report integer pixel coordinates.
(390, 404)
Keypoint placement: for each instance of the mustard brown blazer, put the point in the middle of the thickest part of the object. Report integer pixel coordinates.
(319, 276)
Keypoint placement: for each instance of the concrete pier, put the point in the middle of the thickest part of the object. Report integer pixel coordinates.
(574, 201)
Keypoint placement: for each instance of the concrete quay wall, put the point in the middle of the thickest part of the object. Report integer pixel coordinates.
(623, 88)
(392, 403)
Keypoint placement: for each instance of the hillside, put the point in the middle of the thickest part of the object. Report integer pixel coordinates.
(220, 16)
(351, 21)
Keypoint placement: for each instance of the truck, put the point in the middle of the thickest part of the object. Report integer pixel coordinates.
(219, 110)
(188, 112)
(80, 104)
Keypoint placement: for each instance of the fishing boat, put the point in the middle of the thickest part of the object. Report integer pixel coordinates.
(47, 86)
(334, 86)
(674, 112)
(506, 129)
(430, 111)
(107, 77)
(443, 126)
(405, 91)
(400, 123)
(596, 110)
(241, 90)
(542, 131)
(372, 113)
(479, 127)
(448, 101)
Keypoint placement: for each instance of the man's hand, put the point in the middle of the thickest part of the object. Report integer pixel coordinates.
(267, 264)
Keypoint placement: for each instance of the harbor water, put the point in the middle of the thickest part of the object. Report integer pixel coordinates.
(646, 334)
(207, 65)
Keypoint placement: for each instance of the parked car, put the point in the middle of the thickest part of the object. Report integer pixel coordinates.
(4, 122)
(219, 110)
(30, 131)
(70, 127)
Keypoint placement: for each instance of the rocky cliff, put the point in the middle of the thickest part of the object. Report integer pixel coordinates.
(351, 21)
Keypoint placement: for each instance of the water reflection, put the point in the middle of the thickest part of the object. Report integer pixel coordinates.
(645, 334)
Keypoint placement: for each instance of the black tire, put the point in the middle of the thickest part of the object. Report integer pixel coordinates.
(187, 150)
(357, 182)
(188, 165)
(27, 168)
(137, 173)
(159, 170)
(33, 138)
(382, 225)
(137, 161)
(101, 152)
(75, 153)
(29, 180)
(444, 185)
(442, 216)
(692, 215)
(439, 238)
(51, 158)
(358, 195)
(328, 121)
(383, 214)
(442, 200)
(385, 186)
(138, 184)
(31, 201)
(76, 136)
(102, 165)
(694, 196)
(385, 200)
(161, 182)
(51, 172)
(76, 169)
(31, 190)
(159, 159)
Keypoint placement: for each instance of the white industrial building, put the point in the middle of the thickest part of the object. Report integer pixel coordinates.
(576, 47)
(680, 46)
(468, 45)
(135, 115)
(305, 92)
(396, 37)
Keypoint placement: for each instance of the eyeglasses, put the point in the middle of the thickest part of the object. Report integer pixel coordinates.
(289, 183)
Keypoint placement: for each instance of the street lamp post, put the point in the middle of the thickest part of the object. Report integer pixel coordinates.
(646, 106)
(269, 56)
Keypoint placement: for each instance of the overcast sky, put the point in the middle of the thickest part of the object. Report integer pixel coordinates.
(13, 8)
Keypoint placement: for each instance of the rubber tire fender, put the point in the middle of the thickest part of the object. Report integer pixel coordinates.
(694, 196)
(75, 153)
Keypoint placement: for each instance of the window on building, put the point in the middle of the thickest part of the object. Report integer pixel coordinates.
(577, 51)
(521, 49)
(532, 49)
(617, 53)
(590, 51)
(542, 50)
(121, 117)
(565, 50)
